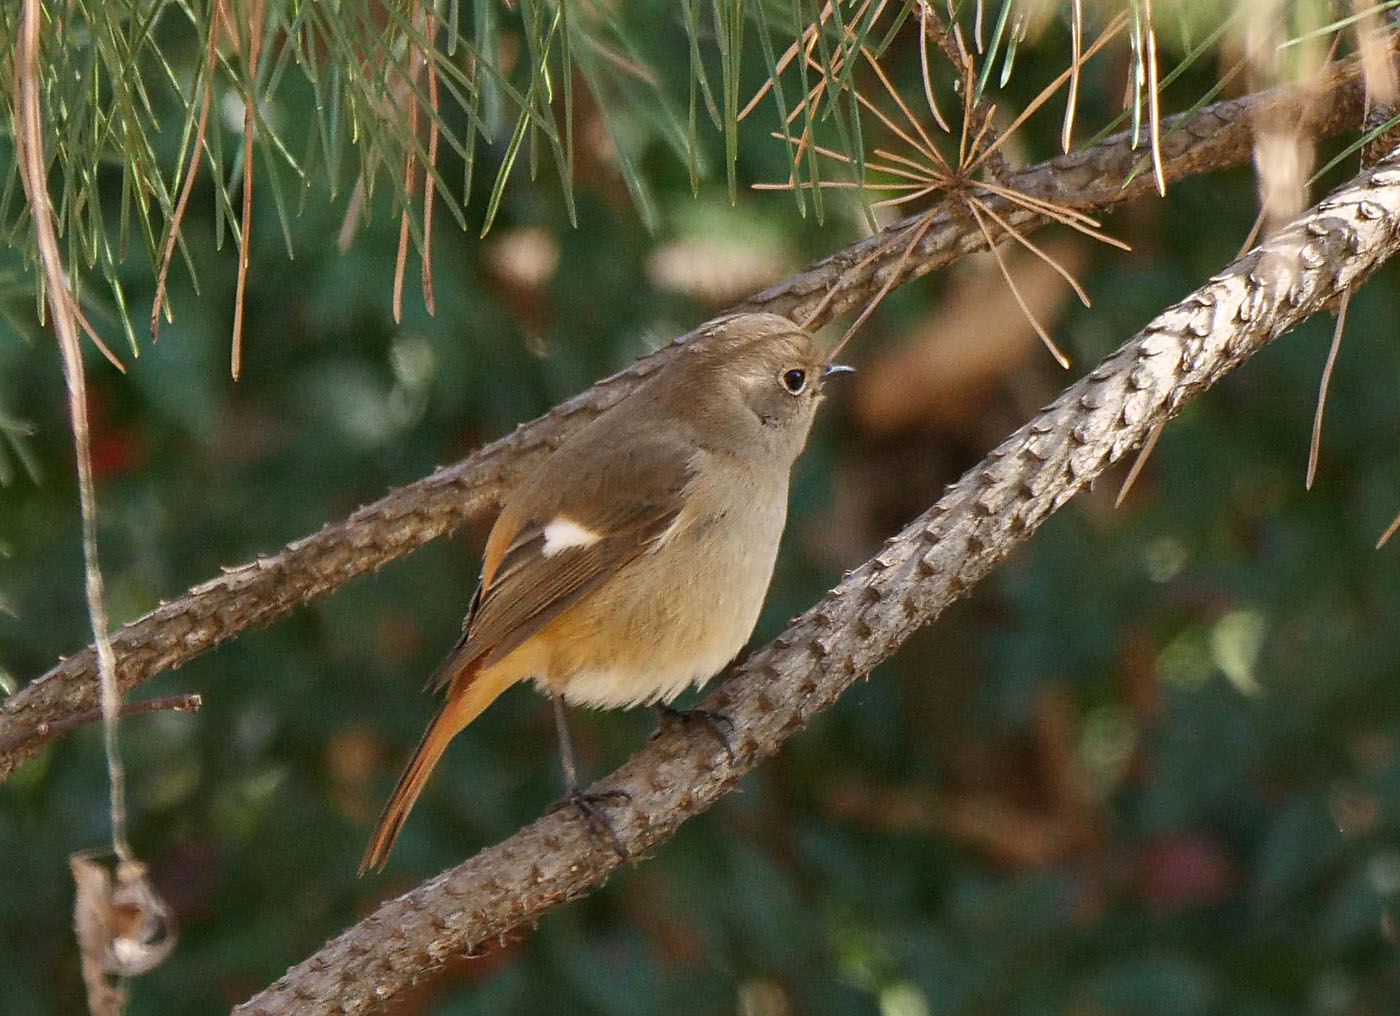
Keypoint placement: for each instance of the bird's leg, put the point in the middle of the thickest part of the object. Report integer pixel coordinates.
(714, 721)
(587, 804)
(566, 744)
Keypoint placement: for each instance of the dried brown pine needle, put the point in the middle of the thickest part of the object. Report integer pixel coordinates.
(1389, 532)
(1144, 453)
(191, 173)
(925, 19)
(978, 209)
(923, 170)
(1315, 444)
(1075, 63)
(254, 14)
(1154, 100)
(1012, 231)
(429, 179)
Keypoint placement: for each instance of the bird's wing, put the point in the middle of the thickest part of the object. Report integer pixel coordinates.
(565, 531)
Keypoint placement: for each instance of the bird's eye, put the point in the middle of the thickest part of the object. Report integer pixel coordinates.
(795, 380)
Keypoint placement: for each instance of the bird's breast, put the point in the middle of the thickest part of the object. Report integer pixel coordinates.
(675, 615)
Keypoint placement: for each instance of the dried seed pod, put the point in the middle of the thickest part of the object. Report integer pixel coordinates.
(124, 928)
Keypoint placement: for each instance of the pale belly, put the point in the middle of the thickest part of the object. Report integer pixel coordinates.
(673, 617)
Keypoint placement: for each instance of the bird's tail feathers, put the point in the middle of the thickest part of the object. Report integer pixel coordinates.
(479, 690)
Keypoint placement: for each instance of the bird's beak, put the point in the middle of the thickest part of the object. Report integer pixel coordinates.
(837, 368)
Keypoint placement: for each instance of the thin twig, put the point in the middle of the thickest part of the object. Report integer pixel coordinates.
(1252, 236)
(185, 702)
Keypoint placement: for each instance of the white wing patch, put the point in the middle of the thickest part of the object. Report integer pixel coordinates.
(565, 534)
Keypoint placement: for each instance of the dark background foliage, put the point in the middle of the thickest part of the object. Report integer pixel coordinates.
(1150, 767)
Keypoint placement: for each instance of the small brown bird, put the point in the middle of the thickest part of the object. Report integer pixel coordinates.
(634, 561)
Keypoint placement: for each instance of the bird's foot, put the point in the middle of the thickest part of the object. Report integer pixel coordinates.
(715, 722)
(588, 806)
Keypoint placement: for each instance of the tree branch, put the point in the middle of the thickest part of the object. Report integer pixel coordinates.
(997, 505)
(260, 592)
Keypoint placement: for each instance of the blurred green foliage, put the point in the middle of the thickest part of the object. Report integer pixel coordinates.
(1150, 768)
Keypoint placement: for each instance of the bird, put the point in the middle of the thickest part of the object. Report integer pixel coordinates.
(633, 562)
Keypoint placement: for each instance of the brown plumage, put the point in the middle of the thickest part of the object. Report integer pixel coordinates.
(634, 561)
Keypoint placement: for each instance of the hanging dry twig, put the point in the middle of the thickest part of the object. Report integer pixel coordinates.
(29, 141)
(108, 942)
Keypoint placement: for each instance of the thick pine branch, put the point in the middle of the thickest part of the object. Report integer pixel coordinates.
(264, 590)
(934, 561)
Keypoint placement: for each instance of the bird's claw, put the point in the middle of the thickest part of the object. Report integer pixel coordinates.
(593, 816)
(714, 721)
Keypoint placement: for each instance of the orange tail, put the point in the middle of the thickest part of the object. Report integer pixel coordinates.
(465, 702)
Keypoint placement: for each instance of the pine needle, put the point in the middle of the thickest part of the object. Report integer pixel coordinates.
(254, 11)
(1389, 532)
(1154, 102)
(1076, 27)
(1144, 453)
(1315, 444)
(978, 209)
(430, 177)
(187, 187)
